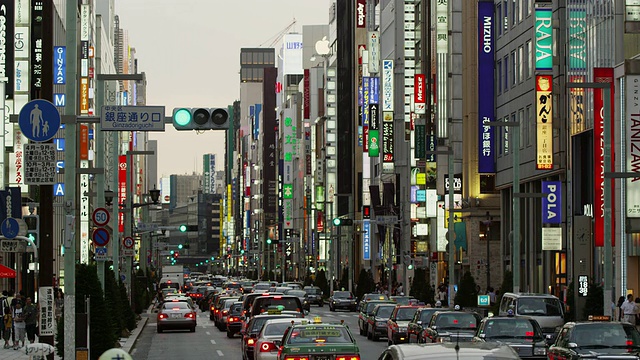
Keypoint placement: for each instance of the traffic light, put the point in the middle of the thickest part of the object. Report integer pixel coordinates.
(186, 228)
(176, 254)
(200, 118)
(268, 241)
(33, 228)
(342, 222)
(180, 246)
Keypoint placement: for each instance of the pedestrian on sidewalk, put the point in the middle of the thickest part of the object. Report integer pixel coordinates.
(19, 326)
(30, 320)
(7, 324)
(629, 309)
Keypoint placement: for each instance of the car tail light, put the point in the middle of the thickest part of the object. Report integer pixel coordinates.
(296, 358)
(189, 315)
(267, 347)
(162, 316)
(217, 311)
(224, 312)
(348, 357)
(251, 341)
(213, 308)
(233, 319)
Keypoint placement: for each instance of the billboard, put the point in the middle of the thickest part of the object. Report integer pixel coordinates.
(361, 14)
(420, 93)
(122, 188)
(165, 190)
(632, 114)
(486, 85)
(7, 16)
(292, 54)
(544, 122)
(544, 39)
(552, 203)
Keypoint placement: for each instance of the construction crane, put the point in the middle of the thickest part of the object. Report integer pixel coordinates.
(274, 39)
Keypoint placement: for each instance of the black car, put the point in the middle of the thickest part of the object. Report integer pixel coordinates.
(234, 323)
(253, 327)
(596, 339)
(377, 321)
(420, 321)
(455, 326)
(523, 334)
(342, 300)
(314, 295)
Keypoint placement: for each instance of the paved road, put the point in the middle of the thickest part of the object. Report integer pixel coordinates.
(210, 343)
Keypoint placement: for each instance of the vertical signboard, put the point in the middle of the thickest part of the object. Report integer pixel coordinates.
(552, 203)
(366, 93)
(37, 28)
(576, 106)
(366, 240)
(442, 55)
(206, 174)
(16, 159)
(122, 188)
(419, 94)
(84, 142)
(374, 129)
(601, 75)
(361, 14)
(306, 98)
(269, 160)
(387, 85)
(60, 65)
(544, 150)
(46, 302)
(84, 214)
(7, 13)
(387, 116)
(577, 39)
(544, 39)
(212, 173)
(374, 52)
(289, 144)
(632, 112)
(486, 109)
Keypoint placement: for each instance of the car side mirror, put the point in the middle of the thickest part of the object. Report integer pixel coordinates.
(419, 322)
(306, 312)
(572, 345)
(550, 339)
(482, 336)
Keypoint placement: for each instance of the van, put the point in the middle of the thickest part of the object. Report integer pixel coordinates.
(546, 309)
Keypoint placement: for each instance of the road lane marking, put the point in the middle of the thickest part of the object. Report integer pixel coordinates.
(219, 353)
(213, 342)
(208, 333)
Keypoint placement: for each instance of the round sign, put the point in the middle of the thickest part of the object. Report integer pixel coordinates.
(100, 216)
(128, 242)
(10, 228)
(100, 236)
(39, 120)
(115, 353)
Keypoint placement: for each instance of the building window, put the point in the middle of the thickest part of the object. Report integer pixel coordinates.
(525, 126)
(525, 61)
(514, 13)
(522, 129)
(505, 64)
(498, 23)
(521, 62)
(505, 16)
(243, 58)
(488, 184)
(514, 64)
(530, 58)
(499, 77)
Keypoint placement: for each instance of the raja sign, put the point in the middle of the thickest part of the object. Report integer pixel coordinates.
(552, 203)
(544, 39)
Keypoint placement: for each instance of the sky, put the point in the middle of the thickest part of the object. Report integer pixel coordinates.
(190, 52)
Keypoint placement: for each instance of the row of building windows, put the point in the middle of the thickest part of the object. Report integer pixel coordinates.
(251, 74)
(526, 118)
(514, 68)
(509, 13)
(258, 58)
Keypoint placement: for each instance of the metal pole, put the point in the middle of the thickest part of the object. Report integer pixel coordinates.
(70, 181)
(516, 211)
(331, 243)
(451, 232)
(608, 251)
(100, 178)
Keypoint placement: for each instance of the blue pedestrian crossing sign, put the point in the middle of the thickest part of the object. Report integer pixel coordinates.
(10, 228)
(39, 120)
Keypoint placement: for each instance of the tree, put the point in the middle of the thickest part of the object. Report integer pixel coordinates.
(321, 282)
(507, 286)
(344, 281)
(142, 298)
(365, 284)
(467, 295)
(570, 314)
(114, 302)
(421, 288)
(127, 312)
(594, 304)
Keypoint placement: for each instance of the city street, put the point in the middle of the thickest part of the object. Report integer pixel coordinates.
(210, 343)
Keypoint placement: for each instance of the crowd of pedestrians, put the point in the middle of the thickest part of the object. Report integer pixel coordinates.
(19, 319)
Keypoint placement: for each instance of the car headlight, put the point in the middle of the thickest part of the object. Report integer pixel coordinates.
(539, 351)
(381, 323)
(402, 329)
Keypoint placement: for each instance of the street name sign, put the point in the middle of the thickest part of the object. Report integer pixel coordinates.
(132, 118)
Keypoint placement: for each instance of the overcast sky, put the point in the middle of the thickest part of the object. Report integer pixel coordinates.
(190, 52)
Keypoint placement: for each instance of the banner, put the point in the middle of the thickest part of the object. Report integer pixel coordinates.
(632, 112)
(552, 203)
(544, 122)
(419, 93)
(486, 85)
(122, 188)
(544, 39)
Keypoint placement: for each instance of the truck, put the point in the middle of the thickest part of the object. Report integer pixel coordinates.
(172, 274)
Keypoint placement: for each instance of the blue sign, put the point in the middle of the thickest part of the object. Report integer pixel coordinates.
(256, 121)
(486, 85)
(60, 65)
(11, 198)
(39, 120)
(60, 100)
(59, 142)
(552, 203)
(374, 88)
(58, 189)
(483, 300)
(10, 228)
(366, 240)
(100, 237)
(366, 95)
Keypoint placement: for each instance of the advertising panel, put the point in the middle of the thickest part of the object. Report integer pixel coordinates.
(306, 97)
(374, 127)
(366, 94)
(420, 93)
(361, 14)
(366, 240)
(576, 106)
(37, 28)
(165, 190)
(544, 121)
(552, 203)
(486, 85)
(632, 112)
(122, 188)
(7, 16)
(374, 52)
(387, 85)
(544, 39)
(292, 55)
(60, 65)
(269, 183)
(577, 39)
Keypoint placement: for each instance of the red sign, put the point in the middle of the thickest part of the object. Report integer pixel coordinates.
(602, 75)
(84, 142)
(306, 96)
(320, 222)
(361, 14)
(419, 81)
(122, 188)
(361, 49)
(365, 138)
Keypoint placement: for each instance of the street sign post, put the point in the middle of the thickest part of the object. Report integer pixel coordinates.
(39, 164)
(100, 216)
(100, 253)
(132, 118)
(39, 120)
(147, 227)
(386, 220)
(10, 228)
(100, 237)
(128, 242)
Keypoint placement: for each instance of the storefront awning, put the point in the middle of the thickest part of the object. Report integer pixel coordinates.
(6, 272)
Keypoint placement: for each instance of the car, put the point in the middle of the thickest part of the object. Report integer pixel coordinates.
(449, 351)
(246, 287)
(420, 321)
(222, 316)
(366, 311)
(302, 295)
(180, 297)
(318, 341)
(342, 300)
(398, 323)
(546, 309)
(314, 294)
(262, 304)
(451, 325)
(261, 287)
(269, 338)
(377, 321)
(205, 302)
(402, 300)
(369, 297)
(523, 334)
(598, 338)
(232, 288)
(216, 309)
(234, 323)
(176, 315)
(250, 331)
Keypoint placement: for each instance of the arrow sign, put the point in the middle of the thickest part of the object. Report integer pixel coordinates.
(374, 117)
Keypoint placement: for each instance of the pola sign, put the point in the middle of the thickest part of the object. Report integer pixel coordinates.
(552, 203)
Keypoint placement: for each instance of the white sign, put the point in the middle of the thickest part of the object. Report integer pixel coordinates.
(39, 164)
(374, 52)
(47, 310)
(583, 285)
(17, 246)
(128, 252)
(552, 238)
(633, 143)
(387, 85)
(84, 214)
(84, 22)
(292, 54)
(132, 118)
(441, 238)
(100, 216)
(386, 220)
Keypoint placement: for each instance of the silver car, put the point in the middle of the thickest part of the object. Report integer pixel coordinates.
(268, 340)
(176, 315)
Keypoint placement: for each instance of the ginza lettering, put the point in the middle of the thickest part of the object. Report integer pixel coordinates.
(486, 37)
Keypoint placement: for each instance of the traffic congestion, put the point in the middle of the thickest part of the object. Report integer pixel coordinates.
(268, 320)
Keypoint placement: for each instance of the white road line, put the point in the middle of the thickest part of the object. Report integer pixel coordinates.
(208, 333)
(213, 342)
(219, 353)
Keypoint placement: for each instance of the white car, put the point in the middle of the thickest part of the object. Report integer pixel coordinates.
(268, 340)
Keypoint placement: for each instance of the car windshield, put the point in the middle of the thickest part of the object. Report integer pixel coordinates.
(405, 314)
(539, 307)
(508, 328)
(319, 335)
(425, 315)
(261, 286)
(279, 303)
(257, 322)
(235, 309)
(603, 334)
(342, 295)
(456, 320)
(312, 291)
(371, 306)
(298, 293)
(275, 328)
(175, 305)
(385, 311)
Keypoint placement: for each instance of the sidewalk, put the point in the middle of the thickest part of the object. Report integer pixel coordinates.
(126, 343)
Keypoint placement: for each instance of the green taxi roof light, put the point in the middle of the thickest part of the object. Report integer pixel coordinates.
(182, 117)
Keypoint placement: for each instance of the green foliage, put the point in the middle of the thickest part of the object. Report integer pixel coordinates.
(570, 314)
(420, 287)
(142, 298)
(114, 302)
(365, 284)
(127, 312)
(321, 282)
(344, 281)
(507, 286)
(467, 295)
(594, 303)
(102, 336)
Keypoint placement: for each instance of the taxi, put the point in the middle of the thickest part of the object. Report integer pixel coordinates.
(451, 326)
(597, 338)
(318, 341)
(523, 334)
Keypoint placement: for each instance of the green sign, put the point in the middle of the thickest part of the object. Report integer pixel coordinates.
(374, 143)
(577, 39)
(483, 300)
(544, 39)
(287, 191)
(420, 142)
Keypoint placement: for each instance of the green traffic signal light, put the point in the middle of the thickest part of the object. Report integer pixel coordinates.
(242, 252)
(268, 241)
(182, 228)
(410, 267)
(172, 252)
(213, 258)
(336, 221)
(180, 246)
(181, 117)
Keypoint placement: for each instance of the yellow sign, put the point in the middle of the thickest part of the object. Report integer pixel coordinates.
(457, 217)
(544, 122)
(576, 104)
(84, 95)
(421, 179)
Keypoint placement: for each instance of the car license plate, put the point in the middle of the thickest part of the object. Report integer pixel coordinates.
(175, 316)
(323, 357)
